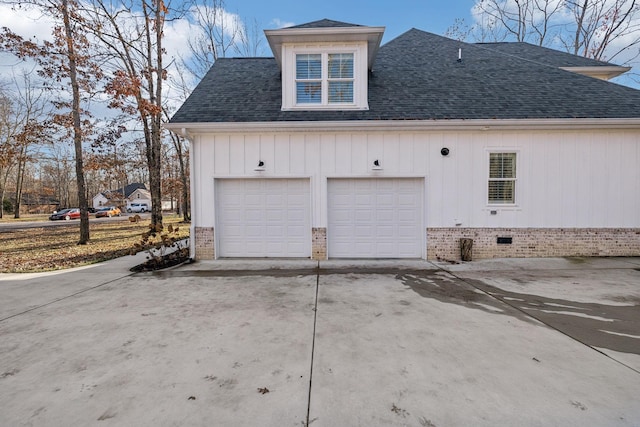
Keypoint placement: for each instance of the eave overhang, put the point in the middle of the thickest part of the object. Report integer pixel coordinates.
(599, 72)
(458, 125)
(371, 35)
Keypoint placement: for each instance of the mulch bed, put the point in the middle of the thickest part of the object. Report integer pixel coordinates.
(159, 263)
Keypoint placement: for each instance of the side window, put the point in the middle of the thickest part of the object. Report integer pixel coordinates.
(502, 178)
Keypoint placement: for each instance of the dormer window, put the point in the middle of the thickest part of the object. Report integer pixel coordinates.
(325, 64)
(324, 78)
(308, 78)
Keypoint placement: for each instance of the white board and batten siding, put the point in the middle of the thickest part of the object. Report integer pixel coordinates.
(565, 178)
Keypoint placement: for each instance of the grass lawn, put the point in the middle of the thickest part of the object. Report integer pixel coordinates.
(8, 217)
(53, 248)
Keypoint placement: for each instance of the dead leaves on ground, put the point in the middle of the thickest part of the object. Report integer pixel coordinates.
(55, 247)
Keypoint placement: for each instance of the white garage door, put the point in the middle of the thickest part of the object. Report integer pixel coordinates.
(375, 218)
(263, 218)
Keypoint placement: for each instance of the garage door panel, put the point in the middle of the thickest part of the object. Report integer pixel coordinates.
(362, 215)
(297, 215)
(263, 217)
(385, 215)
(375, 218)
(384, 232)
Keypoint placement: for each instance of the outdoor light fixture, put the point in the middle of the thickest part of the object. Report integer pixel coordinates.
(260, 166)
(444, 151)
(376, 165)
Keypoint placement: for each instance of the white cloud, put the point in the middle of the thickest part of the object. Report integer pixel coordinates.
(278, 23)
(26, 21)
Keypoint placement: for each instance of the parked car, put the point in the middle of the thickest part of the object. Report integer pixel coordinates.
(108, 211)
(66, 214)
(138, 207)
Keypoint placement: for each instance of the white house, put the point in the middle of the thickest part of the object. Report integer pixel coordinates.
(340, 148)
(123, 197)
(140, 195)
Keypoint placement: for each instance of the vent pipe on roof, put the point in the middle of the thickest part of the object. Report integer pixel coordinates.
(459, 54)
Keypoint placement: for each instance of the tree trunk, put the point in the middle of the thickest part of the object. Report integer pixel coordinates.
(3, 189)
(77, 130)
(155, 165)
(19, 180)
(184, 199)
(186, 213)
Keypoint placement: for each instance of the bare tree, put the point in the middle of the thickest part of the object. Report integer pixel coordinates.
(65, 62)
(250, 39)
(131, 36)
(603, 29)
(9, 125)
(25, 130)
(599, 29)
(216, 32)
(58, 174)
(182, 156)
(521, 20)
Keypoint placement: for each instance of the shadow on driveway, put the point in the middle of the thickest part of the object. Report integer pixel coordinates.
(614, 327)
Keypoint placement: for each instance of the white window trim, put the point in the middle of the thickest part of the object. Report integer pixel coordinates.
(360, 71)
(515, 180)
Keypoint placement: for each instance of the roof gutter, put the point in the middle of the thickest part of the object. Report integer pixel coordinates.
(406, 125)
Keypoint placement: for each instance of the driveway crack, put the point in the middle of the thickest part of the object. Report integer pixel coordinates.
(313, 341)
(63, 298)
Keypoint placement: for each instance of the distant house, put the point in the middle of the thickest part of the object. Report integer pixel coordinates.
(140, 195)
(123, 197)
(34, 203)
(338, 147)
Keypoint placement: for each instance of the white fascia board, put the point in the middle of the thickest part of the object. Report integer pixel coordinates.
(406, 125)
(372, 35)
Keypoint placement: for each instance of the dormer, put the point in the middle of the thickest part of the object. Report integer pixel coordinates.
(325, 64)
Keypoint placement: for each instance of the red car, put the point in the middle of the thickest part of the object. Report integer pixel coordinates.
(66, 214)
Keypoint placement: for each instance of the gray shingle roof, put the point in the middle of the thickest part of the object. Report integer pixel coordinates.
(543, 55)
(127, 190)
(325, 23)
(417, 77)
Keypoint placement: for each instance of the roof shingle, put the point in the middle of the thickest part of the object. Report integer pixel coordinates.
(417, 76)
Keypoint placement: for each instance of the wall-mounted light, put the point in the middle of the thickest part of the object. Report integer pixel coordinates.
(376, 165)
(260, 166)
(444, 151)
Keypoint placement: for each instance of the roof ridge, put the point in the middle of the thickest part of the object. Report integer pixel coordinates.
(323, 23)
(545, 48)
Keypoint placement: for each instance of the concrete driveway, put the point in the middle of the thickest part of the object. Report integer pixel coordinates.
(505, 342)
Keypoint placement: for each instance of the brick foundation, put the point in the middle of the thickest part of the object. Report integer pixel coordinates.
(319, 243)
(444, 243)
(204, 246)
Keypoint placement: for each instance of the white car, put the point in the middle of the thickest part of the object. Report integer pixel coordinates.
(137, 207)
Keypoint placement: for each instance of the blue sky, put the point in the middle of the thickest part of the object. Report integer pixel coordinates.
(397, 16)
